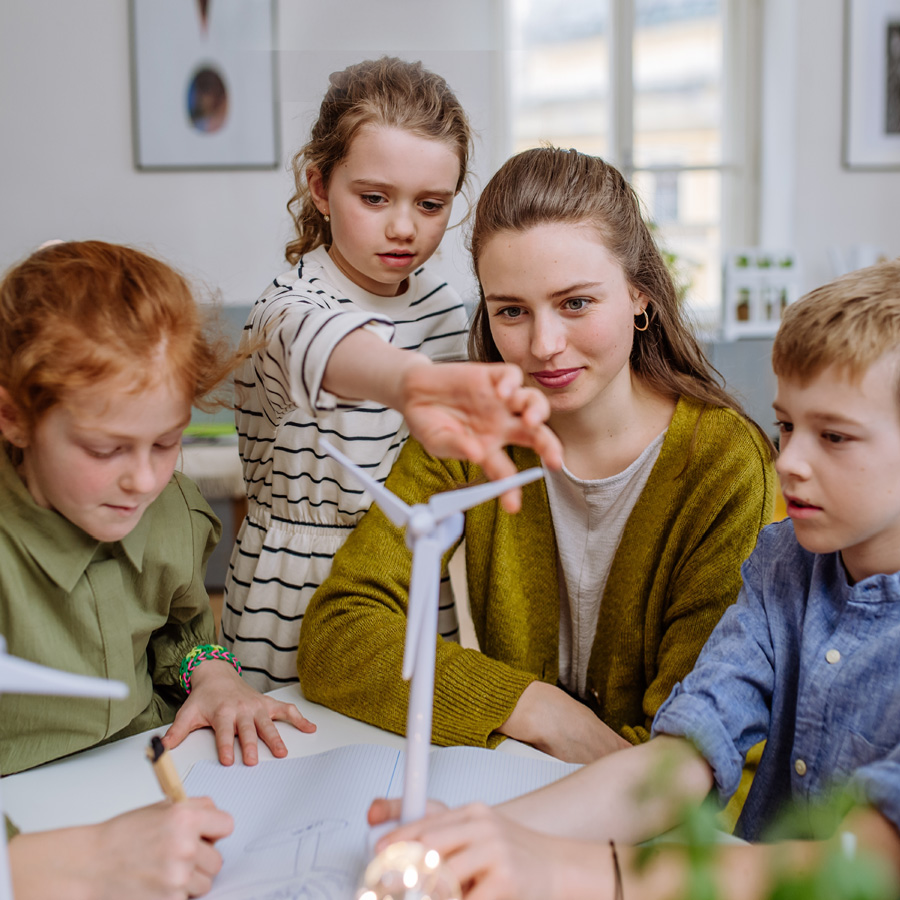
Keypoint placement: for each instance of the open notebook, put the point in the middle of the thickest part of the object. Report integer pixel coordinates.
(300, 823)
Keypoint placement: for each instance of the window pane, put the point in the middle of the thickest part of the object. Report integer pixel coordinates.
(684, 209)
(677, 81)
(560, 74)
(677, 65)
(561, 92)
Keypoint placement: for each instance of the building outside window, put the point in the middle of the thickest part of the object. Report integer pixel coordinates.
(661, 89)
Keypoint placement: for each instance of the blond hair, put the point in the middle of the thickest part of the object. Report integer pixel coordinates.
(386, 92)
(550, 185)
(75, 314)
(850, 322)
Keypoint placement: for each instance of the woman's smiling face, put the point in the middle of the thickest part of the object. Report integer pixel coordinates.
(560, 307)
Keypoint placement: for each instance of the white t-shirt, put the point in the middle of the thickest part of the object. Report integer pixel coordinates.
(589, 518)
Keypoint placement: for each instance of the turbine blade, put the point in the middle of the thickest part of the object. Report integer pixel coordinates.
(423, 594)
(391, 505)
(449, 502)
(18, 676)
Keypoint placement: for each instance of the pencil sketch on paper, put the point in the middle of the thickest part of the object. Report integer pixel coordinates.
(296, 866)
(300, 823)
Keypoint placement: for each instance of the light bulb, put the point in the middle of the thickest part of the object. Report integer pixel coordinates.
(407, 870)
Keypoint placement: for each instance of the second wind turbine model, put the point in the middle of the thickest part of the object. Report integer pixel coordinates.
(18, 676)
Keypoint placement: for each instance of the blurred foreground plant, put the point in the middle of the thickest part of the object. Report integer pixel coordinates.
(699, 840)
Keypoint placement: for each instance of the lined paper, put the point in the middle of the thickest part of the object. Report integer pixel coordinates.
(300, 823)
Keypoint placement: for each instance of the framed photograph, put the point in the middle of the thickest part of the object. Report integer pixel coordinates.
(871, 84)
(204, 84)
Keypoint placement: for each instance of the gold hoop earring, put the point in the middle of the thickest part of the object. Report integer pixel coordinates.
(646, 321)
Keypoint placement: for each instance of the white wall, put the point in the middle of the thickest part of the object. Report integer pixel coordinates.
(66, 157)
(809, 201)
(66, 165)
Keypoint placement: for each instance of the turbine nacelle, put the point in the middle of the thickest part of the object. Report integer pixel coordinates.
(421, 522)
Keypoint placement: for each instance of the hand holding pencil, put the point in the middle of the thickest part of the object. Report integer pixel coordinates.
(154, 853)
(201, 823)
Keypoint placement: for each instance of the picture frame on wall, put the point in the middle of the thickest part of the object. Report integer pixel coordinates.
(871, 122)
(204, 84)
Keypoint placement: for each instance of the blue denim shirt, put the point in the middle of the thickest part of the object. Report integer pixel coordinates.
(811, 664)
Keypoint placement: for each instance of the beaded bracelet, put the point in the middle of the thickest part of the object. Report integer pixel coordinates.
(200, 654)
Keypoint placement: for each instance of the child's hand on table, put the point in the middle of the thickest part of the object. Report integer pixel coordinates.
(474, 411)
(219, 699)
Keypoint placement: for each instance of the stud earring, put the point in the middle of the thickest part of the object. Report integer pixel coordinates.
(646, 321)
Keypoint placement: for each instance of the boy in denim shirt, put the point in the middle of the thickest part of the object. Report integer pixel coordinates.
(808, 659)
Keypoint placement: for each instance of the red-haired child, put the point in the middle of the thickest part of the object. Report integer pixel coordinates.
(103, 548)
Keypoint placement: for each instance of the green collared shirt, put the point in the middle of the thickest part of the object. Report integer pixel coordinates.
(128, 610)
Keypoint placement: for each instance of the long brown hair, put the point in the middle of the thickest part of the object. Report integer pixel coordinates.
(386, 92)
(547, 185)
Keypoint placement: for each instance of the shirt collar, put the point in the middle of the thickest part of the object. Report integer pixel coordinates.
(59, 547)
(878, 588)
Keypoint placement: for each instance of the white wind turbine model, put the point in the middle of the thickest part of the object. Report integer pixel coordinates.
(430, 530)
(17, 676)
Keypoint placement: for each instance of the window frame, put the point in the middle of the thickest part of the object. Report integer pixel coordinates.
(739, 168)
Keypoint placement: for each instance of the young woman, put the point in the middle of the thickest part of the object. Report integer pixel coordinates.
(593, 601)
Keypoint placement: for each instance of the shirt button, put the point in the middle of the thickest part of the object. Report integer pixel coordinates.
(800, 767)
(833, 655)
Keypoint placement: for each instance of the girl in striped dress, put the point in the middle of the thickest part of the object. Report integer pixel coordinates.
(344, 345)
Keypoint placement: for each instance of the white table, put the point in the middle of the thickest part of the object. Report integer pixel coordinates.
(105, 781)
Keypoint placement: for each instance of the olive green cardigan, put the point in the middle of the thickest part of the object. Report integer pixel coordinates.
(675, 571)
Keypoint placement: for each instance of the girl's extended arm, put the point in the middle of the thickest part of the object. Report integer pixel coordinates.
(459, 410)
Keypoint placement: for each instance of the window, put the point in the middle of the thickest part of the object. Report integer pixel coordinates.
(661, 89)
(665, 198)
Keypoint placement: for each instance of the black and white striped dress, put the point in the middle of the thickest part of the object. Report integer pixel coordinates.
(302, 505)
